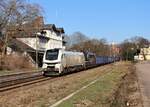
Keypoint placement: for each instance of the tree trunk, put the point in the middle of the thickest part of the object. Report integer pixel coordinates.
(144, 55)
(4, 50)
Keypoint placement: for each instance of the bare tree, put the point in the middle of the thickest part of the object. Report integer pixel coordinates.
(77, 37)
(100, 47)
(14, 14)
(140, 42)
(130, 47)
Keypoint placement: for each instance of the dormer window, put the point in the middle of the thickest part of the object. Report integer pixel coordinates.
(43, 32)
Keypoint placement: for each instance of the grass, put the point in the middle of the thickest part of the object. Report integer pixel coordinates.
(49, 92)
(5, 72)
(99, 94)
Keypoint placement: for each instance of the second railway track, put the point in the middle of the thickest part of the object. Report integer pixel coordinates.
(9, 82)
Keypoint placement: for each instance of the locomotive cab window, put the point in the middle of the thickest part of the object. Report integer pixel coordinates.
(52, 54)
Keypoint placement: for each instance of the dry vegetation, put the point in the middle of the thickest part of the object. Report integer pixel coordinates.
(46, 93)
(15, 62)
(128, 94)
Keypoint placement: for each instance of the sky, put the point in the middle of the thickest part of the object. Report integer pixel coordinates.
(114, 20)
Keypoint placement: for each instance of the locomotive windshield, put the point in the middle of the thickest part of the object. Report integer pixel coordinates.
(52, 54)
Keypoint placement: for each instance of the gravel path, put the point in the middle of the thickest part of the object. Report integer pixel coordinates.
(143, 73)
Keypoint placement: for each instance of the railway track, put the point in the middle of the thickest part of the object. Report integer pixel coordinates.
(8, 82)
(13, 81)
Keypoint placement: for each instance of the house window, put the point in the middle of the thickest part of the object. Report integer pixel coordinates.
(43, 40)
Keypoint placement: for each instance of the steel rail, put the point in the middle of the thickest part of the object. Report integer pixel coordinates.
(14, 81)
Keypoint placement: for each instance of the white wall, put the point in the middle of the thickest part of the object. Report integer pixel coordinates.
(54, 44)
(55, 41)
(29, 41)
(53, 35)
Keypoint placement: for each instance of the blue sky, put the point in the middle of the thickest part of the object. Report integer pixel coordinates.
(114, 20)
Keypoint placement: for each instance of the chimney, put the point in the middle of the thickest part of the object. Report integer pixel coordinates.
(38, 23)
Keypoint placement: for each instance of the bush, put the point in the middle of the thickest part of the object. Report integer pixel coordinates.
(14, 62)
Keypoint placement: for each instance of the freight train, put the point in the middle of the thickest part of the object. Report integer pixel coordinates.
(59, 61)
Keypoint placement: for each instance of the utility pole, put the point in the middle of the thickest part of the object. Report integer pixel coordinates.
(110, 49)
(127, 55)
(36, 52)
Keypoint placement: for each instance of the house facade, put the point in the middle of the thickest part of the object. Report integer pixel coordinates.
(144, 54)
(45, 36)
(46, 39)
(50, 37)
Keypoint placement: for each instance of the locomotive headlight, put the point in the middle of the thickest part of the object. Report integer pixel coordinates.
(57, 67)
(44, 65)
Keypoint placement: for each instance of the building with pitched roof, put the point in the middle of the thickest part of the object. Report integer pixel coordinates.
(144, 54)
(42, 37)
